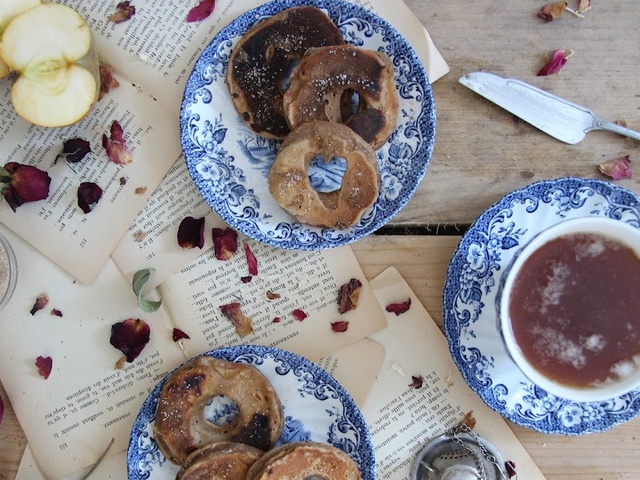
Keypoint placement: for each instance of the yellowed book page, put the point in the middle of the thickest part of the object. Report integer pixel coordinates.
(295, 280)
(402, 419)
(81, 243)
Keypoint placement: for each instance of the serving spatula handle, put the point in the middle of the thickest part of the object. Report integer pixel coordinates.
(600, 124)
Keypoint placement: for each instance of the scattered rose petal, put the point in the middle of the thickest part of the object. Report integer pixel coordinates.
(74, 150)
(44, 365)
(552, 11)
(140, 190)
(225, 243)
(121, 363)
(107, 80)
(510, 467)
(246, 279)
(1, 409)
(399, 308)
(340, 326)
(40, 303)
(252, 261)
(242, 323)
(416, 381)
(618, 168)
(88, 196)
(139, 279)
(56, 313)
(276, 320)
(23, 183)
(622, 122)
(583, 6)
(123, 181)
(299, 314)
(272, 295)
(469, 420)
(116, 146)
(130, 337)
(139, 236)
(179, 335)
(191, 232)
(558, 60)
(348, 295)
(201, 11)
(124, 11)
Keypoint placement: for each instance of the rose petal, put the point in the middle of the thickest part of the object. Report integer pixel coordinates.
(26, 183)
(40, 303)
(107, 80)
(399, 308)
(276, 320)
(558, 60)
(130, 337)
(116, 145)
(124, 11)
(140, 190)
(225, 243)
(191, 232)
(74, 150)
(88, 195)
(618, 168)
(179, 335)
(583, 6)
(348, 295)
(552, 11)
(416, 381)
(340, 326)
(201, 11)
(510, 467)
(299, 314)
(272, 295)
(44, 365)
(252, 261)
(246, 279)
(242, 323)
(56, 313)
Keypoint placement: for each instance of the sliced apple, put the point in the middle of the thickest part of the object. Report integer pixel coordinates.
(8, 10)
(50, 47)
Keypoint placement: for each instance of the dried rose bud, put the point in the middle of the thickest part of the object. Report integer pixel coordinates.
(552, 11)
(510, 467)
(242, 323)
(191, 232)
(56, 313)
(299, 314)
(583, 6)
(116, 145)
(179, 335)
(74, 150)
(107, 80)
(558, 60)
(246, 279)
(340, 326)
(272, 295)
(1, 409)
(201, 11)
(124, 11)
(252, 261)
(416, 381)
(348, 295)
(88, 195)
(44, 365)
(130, 337)
(40, 303)
(399, 308)
(618, 168)
(225, 243)
(23, 183)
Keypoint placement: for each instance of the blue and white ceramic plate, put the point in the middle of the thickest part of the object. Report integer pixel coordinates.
(469, 303)
(316, 407)
(230, 164)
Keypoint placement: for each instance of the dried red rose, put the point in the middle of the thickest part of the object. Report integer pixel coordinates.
(124, 11)
(246, 279)
(242, 323)
(225, 243)
(299, 314)
(116, 146)
(416, 381)
(510, 468)
(201, 11)
(44, 365)
(130, 337)
(56, 313)
(179, 335)
(74, 150)
(399, 308)
(88, 195)
(558, 60)
(40, 303)
(618, 168)
(252, 261)
(23, 183)
(348, 295)
(340, 326)
(191, 232)
(552, 11)
(107, 80)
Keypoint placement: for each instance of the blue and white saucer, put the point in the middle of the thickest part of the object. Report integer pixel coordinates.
(469, 303)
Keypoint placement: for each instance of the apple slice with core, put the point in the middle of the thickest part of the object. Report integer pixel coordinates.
(8, 10)
(50, 47)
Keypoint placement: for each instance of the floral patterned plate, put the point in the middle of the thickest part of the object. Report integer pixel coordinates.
(316, 407)
(469, 303)
(230, 164)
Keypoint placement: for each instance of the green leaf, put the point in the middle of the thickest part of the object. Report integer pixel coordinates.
(139, 279)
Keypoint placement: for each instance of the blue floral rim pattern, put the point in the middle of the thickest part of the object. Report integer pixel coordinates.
(229, 163)
(469, 312)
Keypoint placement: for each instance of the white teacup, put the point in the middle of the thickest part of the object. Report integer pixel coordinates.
(567, 319)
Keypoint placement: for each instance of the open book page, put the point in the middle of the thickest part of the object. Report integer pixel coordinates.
(295, 280)
(403, 418)
(81, 243)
